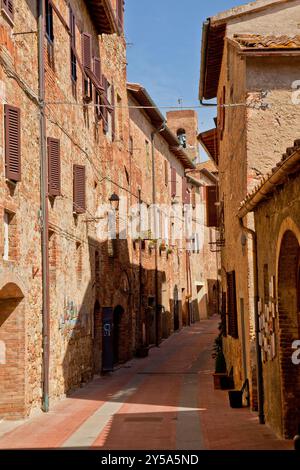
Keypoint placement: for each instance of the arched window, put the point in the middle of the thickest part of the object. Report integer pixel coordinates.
(181, 134)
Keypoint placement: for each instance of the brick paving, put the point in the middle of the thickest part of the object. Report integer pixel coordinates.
(165, 401)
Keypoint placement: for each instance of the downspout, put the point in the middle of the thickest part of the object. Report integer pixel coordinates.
(44, 211)
(141, 339)
(260, 385)
(157, 307)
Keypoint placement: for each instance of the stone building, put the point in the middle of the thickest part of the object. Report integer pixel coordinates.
(204, 262)
(246, 64)
(73, 302)
(276, 206)
(61, 156)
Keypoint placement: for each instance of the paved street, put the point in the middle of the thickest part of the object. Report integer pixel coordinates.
(165, 401)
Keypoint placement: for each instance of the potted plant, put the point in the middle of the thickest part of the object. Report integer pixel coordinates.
(221, 379)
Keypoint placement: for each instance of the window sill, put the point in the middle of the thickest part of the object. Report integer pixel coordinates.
(8, 18)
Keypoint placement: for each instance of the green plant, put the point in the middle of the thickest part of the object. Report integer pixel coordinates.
(218, 355)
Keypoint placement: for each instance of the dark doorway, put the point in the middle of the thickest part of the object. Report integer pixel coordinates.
(117, 318)
(97, 336)
(288, 295)
(176, 309)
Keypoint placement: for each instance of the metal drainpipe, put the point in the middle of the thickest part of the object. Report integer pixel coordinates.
(157, 312)
(44, 210)
(141, 340)
(260, 385)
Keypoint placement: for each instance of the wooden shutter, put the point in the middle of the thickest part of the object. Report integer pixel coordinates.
(211, 208)
(79, 189)
(120, 14)
(54, 188)
(104, 110)
(113, 113)
(8, 7)
(97, 68)
(12, 142)
(232, 307)
(86, 41)
(173, 182)
(185, 191)
(166, 172)
(223, 314)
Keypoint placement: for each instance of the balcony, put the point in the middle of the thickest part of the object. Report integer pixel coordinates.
(103, 15)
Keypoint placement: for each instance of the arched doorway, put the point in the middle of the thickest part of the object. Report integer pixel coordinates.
(289, 329)
(117, 319)
(97, 336)
(12, 345)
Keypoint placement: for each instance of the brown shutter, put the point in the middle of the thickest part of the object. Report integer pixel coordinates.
(232, 307)
(173, 182)
(185, 191)
(166, 172)
(211, 208)
(113, 113)
(86, 41)
(120, 14)
(12, 143)
(79, 189)
(104, 110)
(8, 7)
(54, 188)
(97, 68)
(223, 314)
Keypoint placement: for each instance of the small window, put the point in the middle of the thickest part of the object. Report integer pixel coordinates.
(181, 135)
(79, 261)
(49, 21)
(10, 244)
(8, 8)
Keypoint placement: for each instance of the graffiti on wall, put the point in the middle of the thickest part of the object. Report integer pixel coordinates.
(70, 318)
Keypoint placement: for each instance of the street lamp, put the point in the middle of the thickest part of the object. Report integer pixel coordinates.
(114, 201)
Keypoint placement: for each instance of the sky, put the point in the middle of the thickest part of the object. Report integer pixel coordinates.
(163, 49)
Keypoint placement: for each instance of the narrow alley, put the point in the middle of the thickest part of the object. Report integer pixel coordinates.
(165, 401)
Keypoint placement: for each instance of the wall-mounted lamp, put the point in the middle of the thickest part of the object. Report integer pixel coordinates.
(114, 201)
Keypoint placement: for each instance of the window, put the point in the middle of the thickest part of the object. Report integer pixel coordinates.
(232, 307)
(12, 143)
(52, 256)
(98, 75)
(8, 8)
(173, 182)
(49, 21)
(54, 188)
(73, 52)
(181, 135)
(10, 245)
(211, 207)
(49, 32)
(79, 261)
(79, 189)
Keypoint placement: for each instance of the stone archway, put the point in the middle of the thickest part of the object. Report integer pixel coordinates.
(289, 330)
(12, 342)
